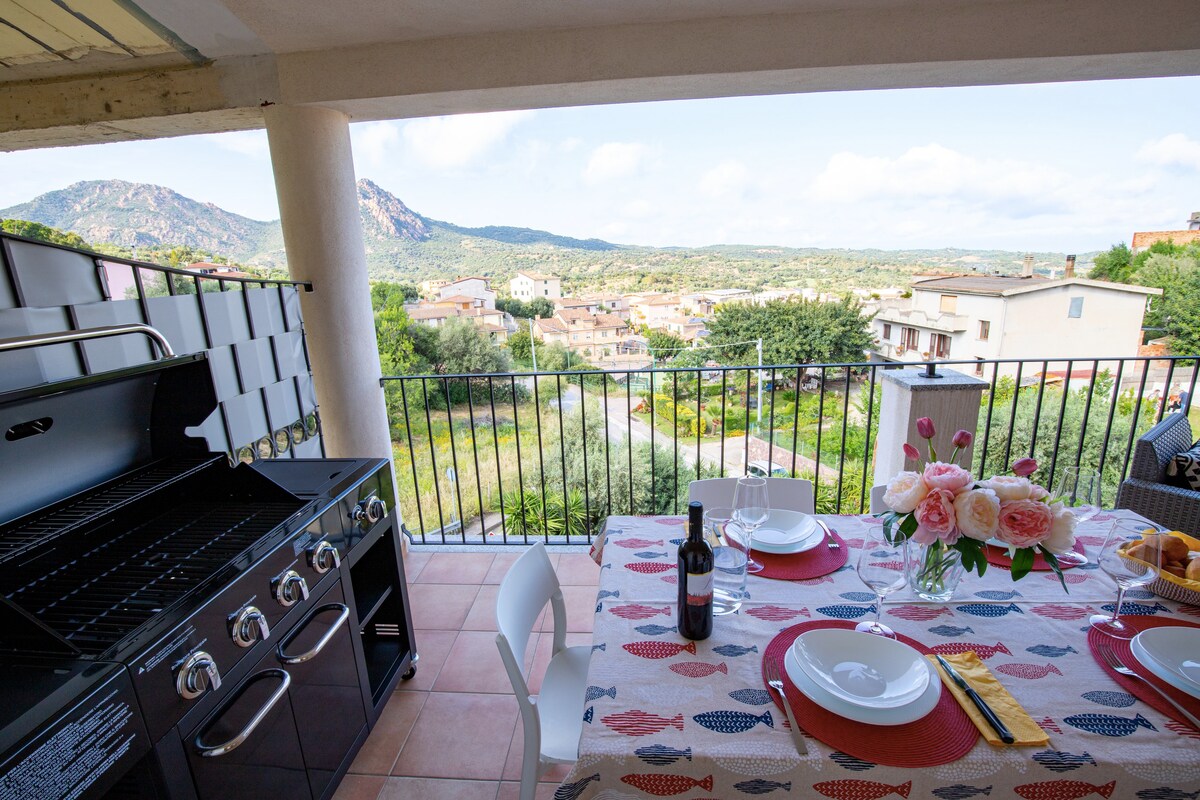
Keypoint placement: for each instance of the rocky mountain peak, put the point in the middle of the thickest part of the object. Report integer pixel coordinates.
(386, 217)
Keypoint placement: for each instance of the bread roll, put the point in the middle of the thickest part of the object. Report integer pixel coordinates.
(1175, 569)
(1192, 573)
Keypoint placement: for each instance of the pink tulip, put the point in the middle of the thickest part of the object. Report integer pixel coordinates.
(962, 439)
(925, 428)
(911, 453)
(1024, 467)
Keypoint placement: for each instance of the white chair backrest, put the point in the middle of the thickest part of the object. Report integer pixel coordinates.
(789, 494)
(877, 504)
(524, 592)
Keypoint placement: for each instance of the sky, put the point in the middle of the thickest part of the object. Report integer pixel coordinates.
(1068, 167)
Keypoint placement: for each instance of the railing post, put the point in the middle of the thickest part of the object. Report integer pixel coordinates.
(951, 400)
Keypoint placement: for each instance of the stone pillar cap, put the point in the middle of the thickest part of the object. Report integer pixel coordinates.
(949, 380)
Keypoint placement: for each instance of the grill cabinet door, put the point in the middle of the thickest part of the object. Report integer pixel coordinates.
(267, 762)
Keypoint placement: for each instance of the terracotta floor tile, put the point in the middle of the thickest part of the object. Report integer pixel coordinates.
(464, 568)
(387, 738)
(432, 647)
(460, 735)
(512, 765)
(438, 789)
(577, 569)
(474, 665)
(482, 616)
(541, 656)
(511, 790)
(414, 563)
(500, 567)
(359, 787)
(581, 609)
(441, 607)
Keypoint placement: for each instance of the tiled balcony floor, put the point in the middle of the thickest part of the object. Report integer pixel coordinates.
(453, 731)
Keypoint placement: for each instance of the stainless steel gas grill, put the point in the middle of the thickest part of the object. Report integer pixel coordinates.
(175, 626)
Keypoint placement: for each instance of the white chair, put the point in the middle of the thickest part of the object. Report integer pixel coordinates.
(877, 504)
(789, 494)
(553, 720)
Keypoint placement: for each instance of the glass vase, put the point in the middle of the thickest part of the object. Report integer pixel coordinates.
(934, 571)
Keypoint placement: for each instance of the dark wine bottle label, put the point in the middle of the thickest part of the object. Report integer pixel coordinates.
(699, 588)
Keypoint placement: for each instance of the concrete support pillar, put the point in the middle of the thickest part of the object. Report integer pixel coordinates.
(951, 401)
(318, 206)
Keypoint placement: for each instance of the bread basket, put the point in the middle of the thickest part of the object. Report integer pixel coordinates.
(1170, 586)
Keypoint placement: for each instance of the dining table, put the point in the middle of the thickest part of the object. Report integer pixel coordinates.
(665, 716)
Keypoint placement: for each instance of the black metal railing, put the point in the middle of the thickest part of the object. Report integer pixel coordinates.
(515, 457)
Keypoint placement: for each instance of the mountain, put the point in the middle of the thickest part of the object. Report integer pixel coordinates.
(403, 245)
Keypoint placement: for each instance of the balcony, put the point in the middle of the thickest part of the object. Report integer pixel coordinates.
(516, 457)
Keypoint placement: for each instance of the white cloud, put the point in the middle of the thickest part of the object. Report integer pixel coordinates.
(639, 209)
(246, 143)
(613, 160)
(727, 179)
(1172, 150)
(570, 144)
(374, 142)
(447, 142)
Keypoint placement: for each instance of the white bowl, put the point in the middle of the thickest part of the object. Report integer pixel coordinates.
(901, 715)
(1173, 654)
(787, 532)
(861, 668)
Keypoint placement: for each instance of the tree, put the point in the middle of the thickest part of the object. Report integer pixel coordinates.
(538, 307)
(664, 344)
(463, 348)
(793, 331)
(392, 332)
(1115, 265)
(36, 230)
(520, 346)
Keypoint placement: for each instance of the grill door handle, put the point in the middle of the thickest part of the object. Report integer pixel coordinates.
(233, 744)
(319, 646)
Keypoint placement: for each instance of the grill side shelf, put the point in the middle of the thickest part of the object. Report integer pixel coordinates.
(23, 629)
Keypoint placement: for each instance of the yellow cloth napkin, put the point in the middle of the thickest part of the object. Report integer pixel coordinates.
(975, 672)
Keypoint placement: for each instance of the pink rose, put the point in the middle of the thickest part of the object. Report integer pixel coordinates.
(935, 518)
(1024, 523)
(925, 428)
(904, 492)
(1024, 467)
(940, 475)
(911, 453)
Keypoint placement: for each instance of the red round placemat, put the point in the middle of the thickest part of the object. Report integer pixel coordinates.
(998, 557)
(945, 734)
(821, 560)
(1098, 641)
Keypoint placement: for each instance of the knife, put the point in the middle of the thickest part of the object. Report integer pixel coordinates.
(993, 720)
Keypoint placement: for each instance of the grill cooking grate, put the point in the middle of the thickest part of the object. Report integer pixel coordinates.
(98, 598)
(40, 529)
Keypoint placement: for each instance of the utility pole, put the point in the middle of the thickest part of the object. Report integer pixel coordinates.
(760, 379)
(533, 347)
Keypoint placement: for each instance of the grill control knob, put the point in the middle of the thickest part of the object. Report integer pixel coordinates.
(196, 675)
(289, 588)
(370, 510)
(248, 626)
(323, 557)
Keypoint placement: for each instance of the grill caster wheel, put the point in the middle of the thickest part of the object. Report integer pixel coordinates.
(409, 675)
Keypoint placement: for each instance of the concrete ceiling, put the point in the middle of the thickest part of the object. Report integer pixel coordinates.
(76, 71)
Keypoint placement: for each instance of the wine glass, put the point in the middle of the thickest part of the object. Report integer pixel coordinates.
(881, 567)
(1079, 490)
(750, 510)
(1127, 572)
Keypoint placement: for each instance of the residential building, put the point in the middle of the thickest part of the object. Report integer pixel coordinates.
(219, 270)
(592, 336)
(430, 288)
(434, 315)
(610, 303)
(585, 304)
(686, 328)
(652, 309)
(476, 287)
(1020, 317)
(1144, 239)
(526, 286)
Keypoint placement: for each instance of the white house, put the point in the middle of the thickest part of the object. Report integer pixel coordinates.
(473, 287)
(526, 286)
(975, 317)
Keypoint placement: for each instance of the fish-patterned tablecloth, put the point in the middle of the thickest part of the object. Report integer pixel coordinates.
(666, 717)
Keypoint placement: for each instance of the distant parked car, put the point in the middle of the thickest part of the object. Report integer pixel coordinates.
(766, 469)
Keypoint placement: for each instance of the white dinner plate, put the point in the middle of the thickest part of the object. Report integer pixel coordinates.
(901, 715)
(866, 670)
(1173, 654)
(787, 532)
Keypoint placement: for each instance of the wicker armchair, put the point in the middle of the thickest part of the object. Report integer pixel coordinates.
(1145, 492)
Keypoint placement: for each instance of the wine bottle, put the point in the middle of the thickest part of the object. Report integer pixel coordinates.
(695, 578)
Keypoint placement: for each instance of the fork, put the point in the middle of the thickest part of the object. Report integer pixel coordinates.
(1114, 663)
(832, 544)
(775, 681)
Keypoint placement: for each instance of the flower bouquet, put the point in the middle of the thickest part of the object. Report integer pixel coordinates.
(943, 508)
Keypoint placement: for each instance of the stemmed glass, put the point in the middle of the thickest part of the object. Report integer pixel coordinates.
(1079, 490)
(881, 567)
(1127, 572)
(750, 510)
